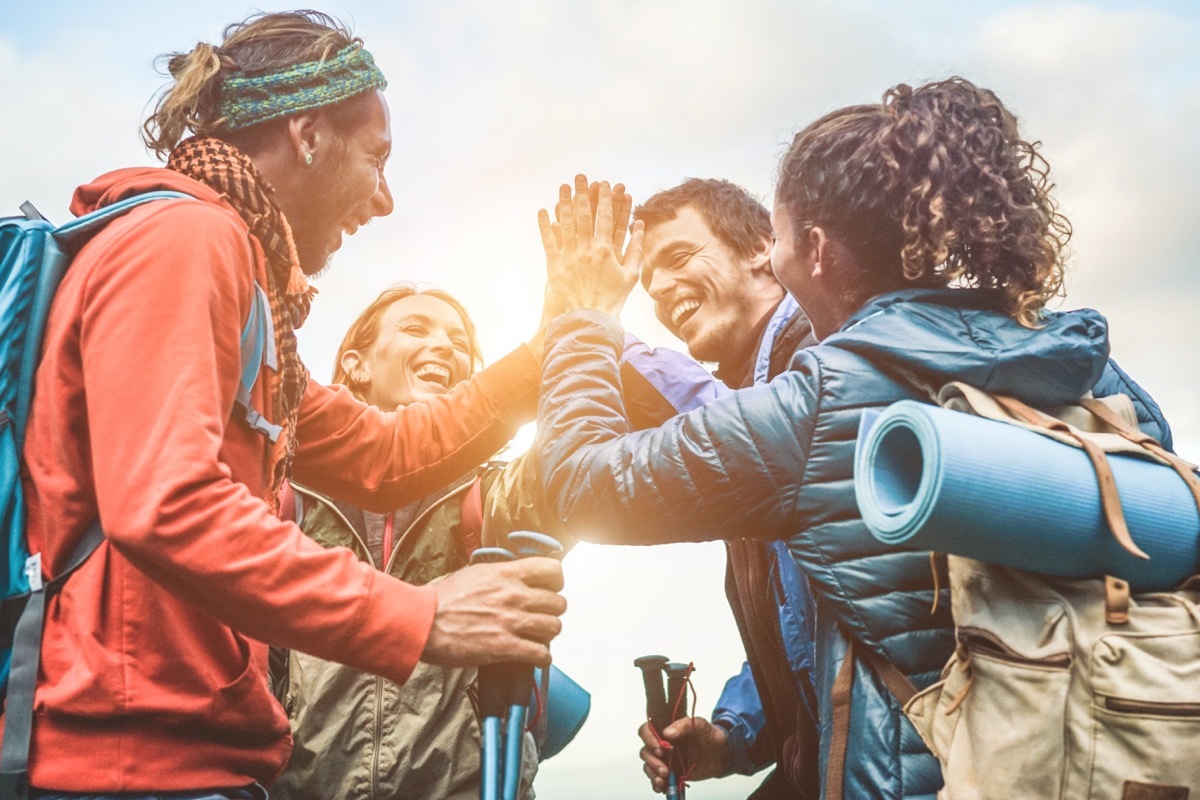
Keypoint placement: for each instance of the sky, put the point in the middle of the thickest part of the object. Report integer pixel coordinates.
(495, 104)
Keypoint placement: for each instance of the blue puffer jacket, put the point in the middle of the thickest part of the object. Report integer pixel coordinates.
(776, 460)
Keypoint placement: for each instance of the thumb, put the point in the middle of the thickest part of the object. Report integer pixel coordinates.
(681, 729)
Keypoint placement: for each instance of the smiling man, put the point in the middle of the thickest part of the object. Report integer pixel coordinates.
(707, 266)
(153, 676)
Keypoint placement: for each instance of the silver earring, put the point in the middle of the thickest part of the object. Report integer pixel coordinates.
(308, 159)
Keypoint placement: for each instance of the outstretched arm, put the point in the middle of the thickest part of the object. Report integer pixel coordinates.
(739, 459)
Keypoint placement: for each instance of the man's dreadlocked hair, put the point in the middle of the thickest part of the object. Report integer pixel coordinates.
(261, 43)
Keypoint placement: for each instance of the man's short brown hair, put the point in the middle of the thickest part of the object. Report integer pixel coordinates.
(736, 217)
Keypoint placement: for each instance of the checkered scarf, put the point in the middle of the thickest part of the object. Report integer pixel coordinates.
(226, 169)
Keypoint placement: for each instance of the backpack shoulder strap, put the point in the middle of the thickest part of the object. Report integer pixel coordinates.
(26, 613)
(54, 257)
(81, 228)
(839, 734)
(27, 656)
(258, 348)
(472, 516)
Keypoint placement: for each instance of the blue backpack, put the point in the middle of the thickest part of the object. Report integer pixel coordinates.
(34, 256)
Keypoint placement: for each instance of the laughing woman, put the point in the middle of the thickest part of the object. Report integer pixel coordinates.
(357, 735)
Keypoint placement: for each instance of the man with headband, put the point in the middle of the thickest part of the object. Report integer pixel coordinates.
(154, 658)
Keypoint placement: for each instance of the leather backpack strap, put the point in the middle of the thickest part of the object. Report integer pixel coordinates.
(895, 680)
(1147, 441)
(791, 733)
(839, 734)
(1109, 499)
(839, 726)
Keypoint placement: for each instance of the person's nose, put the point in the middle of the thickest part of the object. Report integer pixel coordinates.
(381, 202)
(439, 342)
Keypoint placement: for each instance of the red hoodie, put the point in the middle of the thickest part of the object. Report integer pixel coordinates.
(153, 676)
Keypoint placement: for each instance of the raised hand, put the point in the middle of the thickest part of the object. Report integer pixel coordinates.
(587, 260)
(497, 612)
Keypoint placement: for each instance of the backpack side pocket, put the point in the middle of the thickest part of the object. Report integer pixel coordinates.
(1144, 726)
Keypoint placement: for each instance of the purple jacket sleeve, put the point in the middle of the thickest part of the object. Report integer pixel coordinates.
(657, 383)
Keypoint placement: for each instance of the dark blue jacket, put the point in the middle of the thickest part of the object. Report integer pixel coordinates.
(776, 461)
(773, 610)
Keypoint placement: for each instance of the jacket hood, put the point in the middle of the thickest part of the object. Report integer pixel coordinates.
(119, 184)
(945, 335)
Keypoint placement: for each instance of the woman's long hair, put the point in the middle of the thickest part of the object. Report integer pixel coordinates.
(933, 186)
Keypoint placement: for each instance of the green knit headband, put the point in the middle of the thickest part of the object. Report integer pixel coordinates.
(248, 101)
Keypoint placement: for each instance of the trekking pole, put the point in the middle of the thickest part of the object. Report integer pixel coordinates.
(491, 699)
(520, 676)
(656, 698)
(657, 710)
(677, 683)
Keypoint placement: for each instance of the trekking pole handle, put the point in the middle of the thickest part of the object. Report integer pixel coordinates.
(656, 698)
(492, 555)
(677, 675)
(529, 543)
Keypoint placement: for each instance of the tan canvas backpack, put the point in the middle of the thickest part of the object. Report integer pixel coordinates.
(1064, 688)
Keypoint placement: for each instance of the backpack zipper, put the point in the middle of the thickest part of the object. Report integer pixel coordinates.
(977, 641)
(1158, 709)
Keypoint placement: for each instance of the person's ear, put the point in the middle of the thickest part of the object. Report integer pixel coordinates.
(357, 369)
(822, 251)
(304, 137)
(760, 256)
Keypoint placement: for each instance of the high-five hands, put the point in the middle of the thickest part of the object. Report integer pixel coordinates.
(588, 263)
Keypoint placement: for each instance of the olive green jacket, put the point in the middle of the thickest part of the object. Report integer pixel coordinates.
(360, 736)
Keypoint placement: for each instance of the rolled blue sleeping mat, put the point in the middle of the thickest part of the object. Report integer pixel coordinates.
(933, 479)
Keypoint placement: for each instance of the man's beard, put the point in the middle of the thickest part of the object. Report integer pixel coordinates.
(321, 270)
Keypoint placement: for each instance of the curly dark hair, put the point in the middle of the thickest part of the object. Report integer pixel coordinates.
(735, 216)
(934, 186)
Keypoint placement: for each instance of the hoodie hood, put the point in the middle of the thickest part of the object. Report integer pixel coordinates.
(948, 335)
(122, 183)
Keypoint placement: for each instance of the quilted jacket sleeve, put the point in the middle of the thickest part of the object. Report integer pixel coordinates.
(739, 459)
(656, 384)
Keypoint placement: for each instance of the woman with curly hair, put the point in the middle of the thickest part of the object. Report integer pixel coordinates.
(921, 239)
